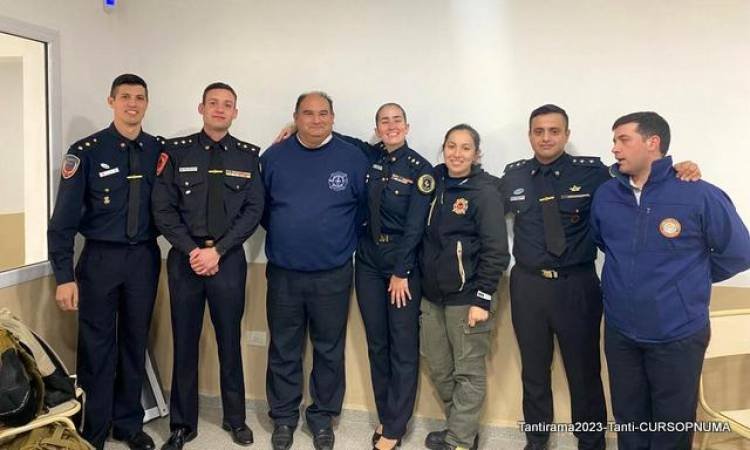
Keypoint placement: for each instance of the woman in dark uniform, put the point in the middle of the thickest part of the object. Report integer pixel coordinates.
(464, 253)
(400, 184)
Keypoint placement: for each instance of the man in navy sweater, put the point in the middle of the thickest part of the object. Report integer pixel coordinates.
(665, 241)
(315, 199)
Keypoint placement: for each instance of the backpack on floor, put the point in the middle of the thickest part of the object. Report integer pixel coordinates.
(32, 376)
(55, 436)
(21, 386)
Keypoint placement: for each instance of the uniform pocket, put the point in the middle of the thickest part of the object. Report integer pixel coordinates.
(574, 210)
(107, 190)
(236, 184)
(190, 183)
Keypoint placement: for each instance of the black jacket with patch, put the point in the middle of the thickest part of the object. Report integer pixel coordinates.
(465, 248)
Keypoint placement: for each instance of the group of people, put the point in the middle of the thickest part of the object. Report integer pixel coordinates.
(430, 246)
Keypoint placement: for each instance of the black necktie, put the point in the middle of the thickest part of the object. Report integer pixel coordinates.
(376, 198)
(217, 219)
(554, 235)
(134, 190)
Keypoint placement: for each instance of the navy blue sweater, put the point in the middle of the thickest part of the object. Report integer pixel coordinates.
(315, 203)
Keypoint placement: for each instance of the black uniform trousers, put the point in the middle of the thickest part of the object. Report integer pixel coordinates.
(653, 384)
(295, 300)
(117, 287)
(392, 335)
(225, 293)
(569, 307)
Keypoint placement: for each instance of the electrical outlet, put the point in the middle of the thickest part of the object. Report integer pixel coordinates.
(257, 338)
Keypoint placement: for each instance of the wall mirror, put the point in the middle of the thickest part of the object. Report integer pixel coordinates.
(29, 147)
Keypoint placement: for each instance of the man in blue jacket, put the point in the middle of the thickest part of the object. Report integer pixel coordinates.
(665, 242)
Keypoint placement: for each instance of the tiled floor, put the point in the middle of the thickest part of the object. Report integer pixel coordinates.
(354, 429)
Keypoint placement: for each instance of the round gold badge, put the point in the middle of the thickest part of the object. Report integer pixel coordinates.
(426, 184)
(670, 228)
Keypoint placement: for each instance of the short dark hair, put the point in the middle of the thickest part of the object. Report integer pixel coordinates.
(649, 124)
(385, 105)
(318, 93)
(218, 85)
(549, 108)
(127, 78)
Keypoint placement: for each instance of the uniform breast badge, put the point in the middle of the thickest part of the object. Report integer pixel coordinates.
(426, 184)
(460, 206)
(670, 228)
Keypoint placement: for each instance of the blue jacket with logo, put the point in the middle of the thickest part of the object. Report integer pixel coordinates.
(662, 255)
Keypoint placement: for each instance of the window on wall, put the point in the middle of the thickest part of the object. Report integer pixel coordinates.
(28, 130)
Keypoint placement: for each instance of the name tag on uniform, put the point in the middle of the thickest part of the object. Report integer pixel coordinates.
(401, 179)
(377, 167)
(574, 196)
(238, 174)
(109, 172)
(187, 169)
(517, 198)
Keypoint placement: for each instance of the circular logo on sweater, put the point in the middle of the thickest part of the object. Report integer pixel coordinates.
(338, 181)
(670, 228)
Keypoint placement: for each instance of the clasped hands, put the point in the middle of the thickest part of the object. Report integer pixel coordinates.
(204, 261)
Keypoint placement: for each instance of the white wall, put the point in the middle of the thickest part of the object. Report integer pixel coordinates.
(485, 62)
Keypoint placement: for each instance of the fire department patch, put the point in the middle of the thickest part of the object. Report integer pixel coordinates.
(70, 166)
(670, 228)
(460, 206)
(162, 163)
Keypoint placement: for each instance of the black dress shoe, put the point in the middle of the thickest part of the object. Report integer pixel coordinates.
(241, 435)
(435, 438)
(436, 441)
(536, 446)
(178, 438)
(323, 439)
(282, 437)
(139, 441)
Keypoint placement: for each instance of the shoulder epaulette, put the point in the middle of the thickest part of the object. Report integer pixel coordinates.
(161, 140)
(179, 142)
(246, 146)
(516, 165)
(591, 161)
(88, 143)
(415, 161)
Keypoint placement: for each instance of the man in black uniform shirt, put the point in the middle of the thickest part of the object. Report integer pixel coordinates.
(554, 289)
(207, 201)
(105, 195)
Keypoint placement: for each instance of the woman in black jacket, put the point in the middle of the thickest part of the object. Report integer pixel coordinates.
(464, 253)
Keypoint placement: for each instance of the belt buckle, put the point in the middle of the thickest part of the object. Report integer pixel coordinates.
(384, 239)
(549, 274)
(209, 243)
